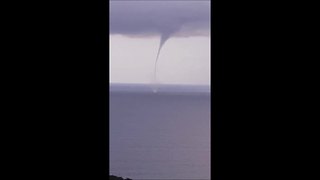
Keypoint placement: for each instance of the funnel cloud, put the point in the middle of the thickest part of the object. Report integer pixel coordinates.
(163, 38)
(165, 19)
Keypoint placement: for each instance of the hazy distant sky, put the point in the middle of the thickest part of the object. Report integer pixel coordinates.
(135, 31)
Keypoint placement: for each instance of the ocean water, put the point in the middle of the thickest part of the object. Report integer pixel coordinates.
(160, 135)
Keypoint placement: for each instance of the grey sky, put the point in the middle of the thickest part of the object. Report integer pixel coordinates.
(156, 17)
(135, 31)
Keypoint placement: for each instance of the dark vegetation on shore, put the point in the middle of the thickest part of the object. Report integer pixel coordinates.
(111, 177)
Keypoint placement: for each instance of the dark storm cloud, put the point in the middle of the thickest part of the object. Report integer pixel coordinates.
(167, 18)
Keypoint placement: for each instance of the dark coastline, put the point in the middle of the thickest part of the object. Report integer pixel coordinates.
(111, 177)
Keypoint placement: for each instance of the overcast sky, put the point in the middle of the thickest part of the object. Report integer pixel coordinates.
(136, 30)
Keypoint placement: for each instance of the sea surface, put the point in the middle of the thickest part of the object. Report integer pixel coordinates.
(163, 135)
